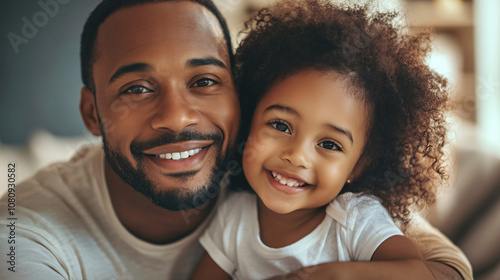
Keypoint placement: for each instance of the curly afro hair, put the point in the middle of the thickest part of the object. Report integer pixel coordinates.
(385, 62)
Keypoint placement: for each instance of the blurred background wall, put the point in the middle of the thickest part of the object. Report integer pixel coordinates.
(40, 72)
(40, 80)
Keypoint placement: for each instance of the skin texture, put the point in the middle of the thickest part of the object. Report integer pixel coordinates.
(171, 96)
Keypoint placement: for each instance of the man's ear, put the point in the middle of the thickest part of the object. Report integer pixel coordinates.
(88, 110)
(360, 166)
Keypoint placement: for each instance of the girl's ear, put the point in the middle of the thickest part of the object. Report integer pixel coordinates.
(360, 166)
(88, 110)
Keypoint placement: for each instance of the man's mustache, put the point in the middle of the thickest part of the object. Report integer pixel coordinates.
(137, 147)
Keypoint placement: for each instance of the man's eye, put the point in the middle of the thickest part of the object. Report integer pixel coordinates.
(330, 145)
(205, 82)
(137, 90)
(280, 126)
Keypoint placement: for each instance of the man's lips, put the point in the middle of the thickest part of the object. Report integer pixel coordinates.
(181, 147)
(180, 157)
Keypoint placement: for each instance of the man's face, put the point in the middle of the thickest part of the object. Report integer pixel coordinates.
(165, 99)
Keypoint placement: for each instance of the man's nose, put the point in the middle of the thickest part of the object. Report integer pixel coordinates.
(174, 111)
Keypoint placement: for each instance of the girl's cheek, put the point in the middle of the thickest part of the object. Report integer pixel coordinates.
(257, 140)
(251, 148)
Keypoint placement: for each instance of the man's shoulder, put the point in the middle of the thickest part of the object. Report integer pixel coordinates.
(54, 192)
(81, 162)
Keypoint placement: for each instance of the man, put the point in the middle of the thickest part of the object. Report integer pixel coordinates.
(159, 90)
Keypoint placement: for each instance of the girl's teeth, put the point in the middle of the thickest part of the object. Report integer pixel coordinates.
(180, 155)
(283, 181)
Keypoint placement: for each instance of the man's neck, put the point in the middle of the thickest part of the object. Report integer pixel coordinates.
(147, 221)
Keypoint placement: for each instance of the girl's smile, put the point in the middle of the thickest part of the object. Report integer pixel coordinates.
(288, 185)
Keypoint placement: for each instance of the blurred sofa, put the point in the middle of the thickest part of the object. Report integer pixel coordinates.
(468, 211)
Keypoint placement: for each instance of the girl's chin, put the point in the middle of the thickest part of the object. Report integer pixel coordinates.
(279, 207)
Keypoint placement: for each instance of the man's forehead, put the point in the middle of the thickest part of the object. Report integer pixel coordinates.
(167, 26)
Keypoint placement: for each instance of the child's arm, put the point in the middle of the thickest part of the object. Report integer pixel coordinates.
(208, 269)
(396, 258)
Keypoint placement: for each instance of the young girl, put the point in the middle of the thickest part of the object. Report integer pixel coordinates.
(346, 132)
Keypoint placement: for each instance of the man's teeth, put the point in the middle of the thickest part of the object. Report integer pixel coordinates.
(286, 181)
(180, 155)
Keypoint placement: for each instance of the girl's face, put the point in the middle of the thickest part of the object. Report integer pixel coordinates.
(307, 135)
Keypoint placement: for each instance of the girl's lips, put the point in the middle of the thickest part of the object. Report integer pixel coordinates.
(284, 180)
(285, 188)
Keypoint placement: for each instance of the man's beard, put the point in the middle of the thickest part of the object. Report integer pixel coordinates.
(174, 199)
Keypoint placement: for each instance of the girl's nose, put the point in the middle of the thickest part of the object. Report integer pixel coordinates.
(297, 154)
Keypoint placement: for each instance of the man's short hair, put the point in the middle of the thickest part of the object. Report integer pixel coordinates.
(108, 7)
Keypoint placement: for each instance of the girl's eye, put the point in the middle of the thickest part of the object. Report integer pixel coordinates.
(330, 145)
(205, 82)
(137, 90)
(280, 126)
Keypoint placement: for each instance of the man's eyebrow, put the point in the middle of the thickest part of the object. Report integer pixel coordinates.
(346, 132)
(130, 68)
(282, 108)
(197, 62)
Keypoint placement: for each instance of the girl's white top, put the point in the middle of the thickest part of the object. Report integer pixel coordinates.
(353, 228)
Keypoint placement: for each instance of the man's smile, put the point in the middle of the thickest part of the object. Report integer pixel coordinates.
(179, 155)
(183, 156)
(179, 151)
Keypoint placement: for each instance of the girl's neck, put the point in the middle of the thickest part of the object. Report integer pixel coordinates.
(280, 230)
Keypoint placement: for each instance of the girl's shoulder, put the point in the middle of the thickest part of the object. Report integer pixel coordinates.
(240, 196)
(348, 208)
(238, 201)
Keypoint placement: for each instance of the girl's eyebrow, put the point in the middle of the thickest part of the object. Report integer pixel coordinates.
(283, 108)
(346, 132)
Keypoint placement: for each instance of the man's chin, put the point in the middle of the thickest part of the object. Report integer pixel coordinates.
(182, 198)
(174, 191)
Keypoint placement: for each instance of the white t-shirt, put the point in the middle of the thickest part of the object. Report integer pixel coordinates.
(66, 228)
(353, 228)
